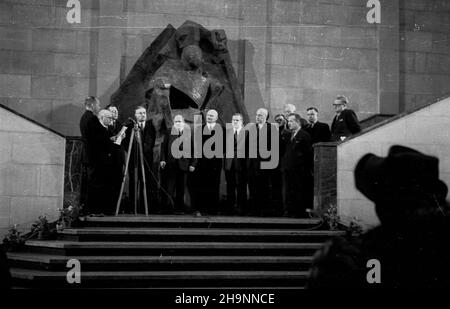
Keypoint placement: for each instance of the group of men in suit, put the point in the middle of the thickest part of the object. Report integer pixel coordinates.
(297, 136)
(251, 189)
(101, 159)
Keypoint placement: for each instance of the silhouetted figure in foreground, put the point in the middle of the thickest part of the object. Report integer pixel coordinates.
(412, 241)
(5, 276)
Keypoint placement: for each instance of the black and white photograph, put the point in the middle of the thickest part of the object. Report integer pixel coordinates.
(218, 152)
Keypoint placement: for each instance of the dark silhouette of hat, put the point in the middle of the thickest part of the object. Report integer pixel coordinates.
(405, 172)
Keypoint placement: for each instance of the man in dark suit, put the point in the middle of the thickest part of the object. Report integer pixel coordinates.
(116, 125)
(175, 167)
(259, 179)
(319, 131)
(103, 157)
(209, 168)
(345, 123)
(92, 107)
(296, 167)
(146, 131)
(236, 166)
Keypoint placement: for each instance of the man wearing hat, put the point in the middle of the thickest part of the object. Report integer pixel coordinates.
(411, 243)
(345, 123)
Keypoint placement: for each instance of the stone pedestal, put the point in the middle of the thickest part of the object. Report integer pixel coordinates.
(325, 176)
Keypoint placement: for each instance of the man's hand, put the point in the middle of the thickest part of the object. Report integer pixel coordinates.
(163, 164)
(191, 169)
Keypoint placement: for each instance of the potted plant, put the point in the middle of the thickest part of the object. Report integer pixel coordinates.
(14, 239)
(331, 217)
(67, 217)
(41, 227)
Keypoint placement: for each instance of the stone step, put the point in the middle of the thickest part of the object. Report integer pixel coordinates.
(204, 221)
(117, 263)
(195, 234)
(70, 248)
(142, 279)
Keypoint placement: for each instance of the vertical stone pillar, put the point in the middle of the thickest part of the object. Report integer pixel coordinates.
(254, 33)
(388, 58)
(325, 176)
(111, 25)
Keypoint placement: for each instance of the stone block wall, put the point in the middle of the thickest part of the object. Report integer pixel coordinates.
(284, 51)
(319, 49)
(426, 130)
(47, 64)
(31, 171)
(425, 50)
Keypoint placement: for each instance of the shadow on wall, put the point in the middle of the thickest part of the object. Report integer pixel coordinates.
(65, 118)
(253, 98)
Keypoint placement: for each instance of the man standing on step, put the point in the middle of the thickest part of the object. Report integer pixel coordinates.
(345, 123)
(175, 168)
(105, 168)
(147, 133)
(296, 168)
(92, 107)
(319, 131)
(209, 168)
(259, 179)
(236, 167)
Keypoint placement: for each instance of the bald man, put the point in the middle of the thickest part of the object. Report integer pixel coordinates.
(174, 171)
(208, 174)
(259, 180)
(289, 109)
(102, 185)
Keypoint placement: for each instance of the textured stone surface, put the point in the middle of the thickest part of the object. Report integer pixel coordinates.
(31, 171)
(426, 130)
(15, 85)
(325, 177)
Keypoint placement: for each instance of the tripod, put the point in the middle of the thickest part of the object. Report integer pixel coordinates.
(140, 158)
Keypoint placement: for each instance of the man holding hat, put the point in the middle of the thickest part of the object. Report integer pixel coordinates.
(412, 242)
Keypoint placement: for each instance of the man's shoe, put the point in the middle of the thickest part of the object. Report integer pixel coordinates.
(196, 214)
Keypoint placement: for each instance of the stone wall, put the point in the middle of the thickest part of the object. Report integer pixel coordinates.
(425, 50)
(426, 130)
(31, 171)
(319, 49)
(284, 51)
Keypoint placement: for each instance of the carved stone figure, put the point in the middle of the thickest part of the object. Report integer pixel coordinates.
(183, 71)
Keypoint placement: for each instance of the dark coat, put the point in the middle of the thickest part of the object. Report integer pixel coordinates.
(298, 154)
(167, 156)
(115, 128)
(208, 164)
(148, 137)
(345, 124)
(255, 163)
(86, 122)
(319, 132)
(239, 164)
(102, 151)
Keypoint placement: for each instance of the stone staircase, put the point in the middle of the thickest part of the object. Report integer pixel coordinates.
(174, 252)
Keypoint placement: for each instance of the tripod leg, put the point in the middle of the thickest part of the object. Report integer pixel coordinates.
(136, 185)
(125, 174)
(141, 152)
